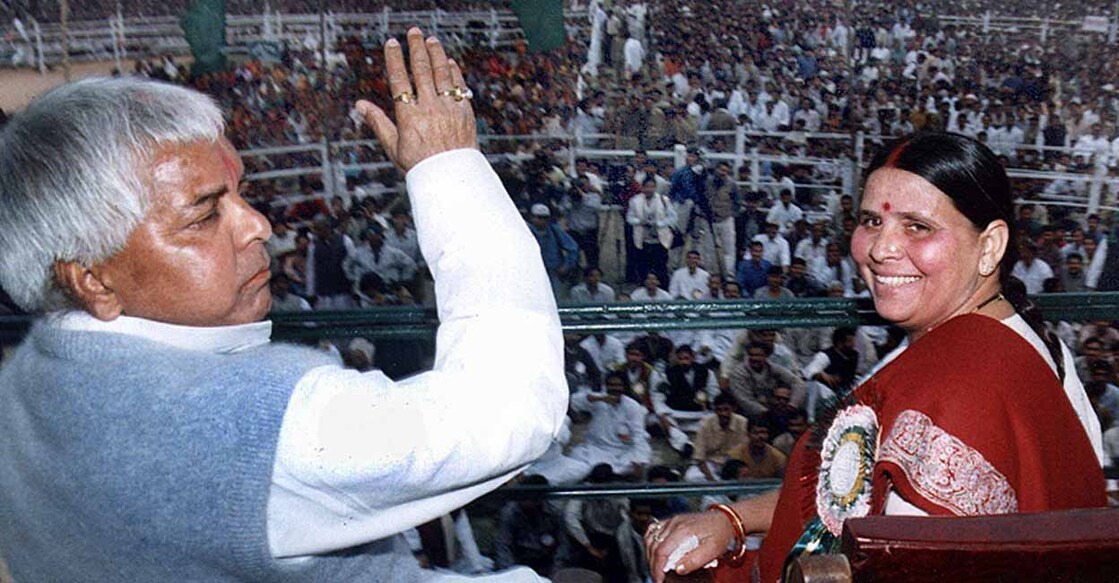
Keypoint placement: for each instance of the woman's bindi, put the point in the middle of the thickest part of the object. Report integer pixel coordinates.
(886, 207)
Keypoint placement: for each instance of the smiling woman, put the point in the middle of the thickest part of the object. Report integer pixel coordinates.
(976, 415)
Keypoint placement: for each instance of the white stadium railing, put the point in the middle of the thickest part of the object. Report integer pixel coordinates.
(1093, 191)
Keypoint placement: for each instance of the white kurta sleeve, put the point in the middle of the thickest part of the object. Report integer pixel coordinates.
(361, 457)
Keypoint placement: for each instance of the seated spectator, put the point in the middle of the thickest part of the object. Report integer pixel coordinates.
(1091, 349)
(777, 415)
(831, 373)
(532, 533)
(558, 468)
(616, 435)
(1032, 271)
(718, 434)
(282, 241)
(775, 342)
(656, 350)
(630, 538)
(689, 282)
(796, 426)
(835, 267)
(775, 248)
(651, 291)
(592, 290)
(580, 367)
(714, 288)
(1073, 278)
(774, 289)
(784, 214)
(752, 381)
(763, 461)
(751, 274)
(815, 246)
(689, 389)
(1103, 373)
(714, 346)
(647, 384)
(799, 282)
(373, 293)
(592, 525)
(282, 298)
(672, 505)
(393, 265)
(402, 235)
(606, 350)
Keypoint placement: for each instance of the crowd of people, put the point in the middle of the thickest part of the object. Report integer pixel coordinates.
(711, 405)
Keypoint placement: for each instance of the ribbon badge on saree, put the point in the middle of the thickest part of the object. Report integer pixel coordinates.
(846, 461)
(847, 456)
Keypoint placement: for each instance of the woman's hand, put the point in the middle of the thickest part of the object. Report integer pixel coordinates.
(435, 118)
(712, 529)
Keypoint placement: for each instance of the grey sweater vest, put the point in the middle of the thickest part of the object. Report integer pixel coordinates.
(127, 460)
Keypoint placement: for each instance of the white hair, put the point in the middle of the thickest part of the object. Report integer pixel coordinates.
(72, 175)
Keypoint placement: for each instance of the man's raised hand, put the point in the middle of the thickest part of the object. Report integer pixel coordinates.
(436, 117)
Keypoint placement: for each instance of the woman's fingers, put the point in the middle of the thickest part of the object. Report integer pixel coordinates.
(399, 85)
(421, 65)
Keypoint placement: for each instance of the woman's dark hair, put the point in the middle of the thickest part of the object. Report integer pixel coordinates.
(972, 177)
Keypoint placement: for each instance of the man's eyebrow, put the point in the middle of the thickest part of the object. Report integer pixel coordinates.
(210, 197)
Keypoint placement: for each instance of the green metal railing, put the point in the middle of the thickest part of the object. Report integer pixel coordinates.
(397, 322)
(420, 323)
(415, 323)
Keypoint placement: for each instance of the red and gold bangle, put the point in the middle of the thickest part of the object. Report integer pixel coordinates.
(739, 529)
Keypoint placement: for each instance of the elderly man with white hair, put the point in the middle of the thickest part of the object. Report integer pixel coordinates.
(151, 430)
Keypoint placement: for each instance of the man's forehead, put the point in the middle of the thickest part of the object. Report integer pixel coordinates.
(182, 172)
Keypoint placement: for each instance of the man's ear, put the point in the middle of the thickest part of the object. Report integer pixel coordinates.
(88, 288)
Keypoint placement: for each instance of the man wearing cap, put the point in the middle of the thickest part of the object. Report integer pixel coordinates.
(559, 250)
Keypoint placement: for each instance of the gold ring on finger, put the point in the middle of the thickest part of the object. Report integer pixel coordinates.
(404, 97)
(460, 93)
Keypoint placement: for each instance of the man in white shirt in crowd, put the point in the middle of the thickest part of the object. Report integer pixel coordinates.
(1032, 271)
(834, 268)
(393, 265)
(616, 434)
(607, 351)
(592, 290)
(784, 213)
(403, 236)
(775, 248)
(1093, 147)
(814, 247)
(689, 282)
(650, 291)
(271, 461)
